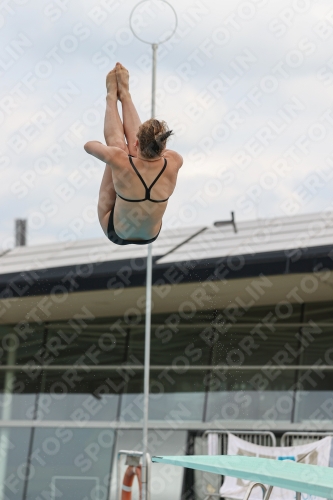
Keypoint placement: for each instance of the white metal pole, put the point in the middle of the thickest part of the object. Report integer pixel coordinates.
(145, 483)
(153, 87)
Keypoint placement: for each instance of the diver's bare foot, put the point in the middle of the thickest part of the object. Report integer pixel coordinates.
(111, 83)
(122, 80)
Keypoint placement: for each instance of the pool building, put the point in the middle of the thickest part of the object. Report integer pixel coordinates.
(241, 339)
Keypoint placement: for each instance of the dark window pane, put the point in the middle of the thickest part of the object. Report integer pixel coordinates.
(89, 344)
(171, 342)
(173, 336)
(315, 380)
(242, 345)
(19, 343)
(319, 312)
(249, 380)
(317, 345)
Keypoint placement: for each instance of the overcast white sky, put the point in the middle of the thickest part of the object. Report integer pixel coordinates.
(247, 87)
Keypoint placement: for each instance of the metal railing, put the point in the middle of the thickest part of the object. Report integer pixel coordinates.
(133, 459)
(262, 438)
(298, 438)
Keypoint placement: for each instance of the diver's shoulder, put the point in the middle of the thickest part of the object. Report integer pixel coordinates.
(174, 156)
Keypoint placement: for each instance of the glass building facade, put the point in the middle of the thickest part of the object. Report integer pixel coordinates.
(71, 391)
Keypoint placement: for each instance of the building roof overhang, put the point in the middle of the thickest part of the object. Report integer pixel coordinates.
(224, 263)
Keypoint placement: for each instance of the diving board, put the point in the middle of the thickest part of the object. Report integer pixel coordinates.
(303, 478)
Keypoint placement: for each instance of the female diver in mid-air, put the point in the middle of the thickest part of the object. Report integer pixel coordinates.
(141, 172)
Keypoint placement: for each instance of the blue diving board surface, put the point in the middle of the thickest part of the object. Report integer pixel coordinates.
(302, 478)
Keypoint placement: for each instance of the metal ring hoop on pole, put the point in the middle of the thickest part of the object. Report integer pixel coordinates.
(161, 41)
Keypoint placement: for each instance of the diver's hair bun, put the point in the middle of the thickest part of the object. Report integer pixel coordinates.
(158, 144)
(152, 136)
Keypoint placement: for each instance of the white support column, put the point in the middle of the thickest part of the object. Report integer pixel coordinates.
(6, 414)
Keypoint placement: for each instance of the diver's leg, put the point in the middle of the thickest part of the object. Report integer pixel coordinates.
(131, 119)
(113, 127)
(114, 136)
(106, 199)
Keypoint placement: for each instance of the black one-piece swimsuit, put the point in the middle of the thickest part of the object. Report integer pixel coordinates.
(112, 235)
